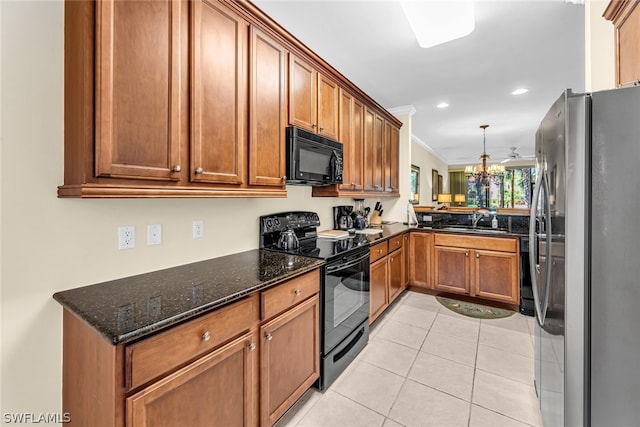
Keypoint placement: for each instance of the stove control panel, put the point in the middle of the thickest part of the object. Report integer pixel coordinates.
(288, 220)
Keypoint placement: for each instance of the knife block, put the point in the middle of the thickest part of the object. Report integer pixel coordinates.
(376, 220)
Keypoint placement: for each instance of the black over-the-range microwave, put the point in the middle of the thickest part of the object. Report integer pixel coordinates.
(312, 159)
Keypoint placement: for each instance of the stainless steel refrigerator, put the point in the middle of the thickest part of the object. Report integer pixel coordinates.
(585, 260)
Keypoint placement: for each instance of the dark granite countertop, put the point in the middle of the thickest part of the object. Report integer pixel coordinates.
(127, 309)
(480, 231)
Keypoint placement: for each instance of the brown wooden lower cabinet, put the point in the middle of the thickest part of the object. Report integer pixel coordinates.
(290, 359)
(217, 389)
(378, 273)
(230, 367)
(451, 269)
(387, 275)
(484, 267)
(421, 259)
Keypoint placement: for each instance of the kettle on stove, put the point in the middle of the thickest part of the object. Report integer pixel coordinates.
(288, 240)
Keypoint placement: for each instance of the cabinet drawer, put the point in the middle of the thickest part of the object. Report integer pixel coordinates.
(278, 299)
(152, 357)
(477, 242)
(378, 251)
(395, 243)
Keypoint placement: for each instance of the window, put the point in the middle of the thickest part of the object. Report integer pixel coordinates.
(512, 191)
(415, 184)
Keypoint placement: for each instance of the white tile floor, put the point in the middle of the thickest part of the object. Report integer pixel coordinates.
(428, 366)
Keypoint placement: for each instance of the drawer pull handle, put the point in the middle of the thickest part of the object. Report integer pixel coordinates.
(252, 346)
(206, 336)
(268, 336)
(297, 292)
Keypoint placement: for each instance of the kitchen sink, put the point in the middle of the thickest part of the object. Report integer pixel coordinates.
(473, 230)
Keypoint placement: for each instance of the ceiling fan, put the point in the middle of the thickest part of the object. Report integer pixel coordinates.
(513, 155)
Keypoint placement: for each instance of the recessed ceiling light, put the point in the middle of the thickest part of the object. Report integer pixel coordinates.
(442, 105)
(520, 91)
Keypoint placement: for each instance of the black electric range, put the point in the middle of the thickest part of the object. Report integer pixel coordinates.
(344, 287)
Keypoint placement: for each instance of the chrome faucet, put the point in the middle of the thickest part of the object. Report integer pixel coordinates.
(477, 216)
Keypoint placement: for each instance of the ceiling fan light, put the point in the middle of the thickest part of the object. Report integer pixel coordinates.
(437, 22)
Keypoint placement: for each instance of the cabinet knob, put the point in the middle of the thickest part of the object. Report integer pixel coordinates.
(199, 171)
(313, 125)
(177, 168)
(252, 346)
(477, 255)
(376, 186)
(297, 292)
(268, 336)
(379, 251)
(466, 254)
(353, 184)
(284, 178)
(321, 128)
(206, 336)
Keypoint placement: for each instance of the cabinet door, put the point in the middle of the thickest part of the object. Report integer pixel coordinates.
(496, 276)
(346, 126)
(267, 111)
(392, 159)
(373, 151)
(218, 94)
(303, 92)
(138, 89)
(357, 146)
(327, 107)
(378, 292)
(290, 358)
(451, 269)
(219, 386)
(396, 274)
(405, 260)
(421, 260)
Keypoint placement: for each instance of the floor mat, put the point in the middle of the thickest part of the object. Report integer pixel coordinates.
(474, 310)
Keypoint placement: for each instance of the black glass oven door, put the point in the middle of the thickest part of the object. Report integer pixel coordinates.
(346, 297)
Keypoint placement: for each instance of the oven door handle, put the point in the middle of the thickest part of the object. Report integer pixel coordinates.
(335, 266)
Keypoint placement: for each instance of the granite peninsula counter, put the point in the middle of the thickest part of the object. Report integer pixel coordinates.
(131, 308)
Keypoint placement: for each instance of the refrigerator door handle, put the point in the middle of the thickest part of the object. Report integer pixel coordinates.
(540, 305)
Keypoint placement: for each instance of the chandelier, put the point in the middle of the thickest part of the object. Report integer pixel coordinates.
(482, 173)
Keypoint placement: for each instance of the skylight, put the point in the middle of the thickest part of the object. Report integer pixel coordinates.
(436, 22)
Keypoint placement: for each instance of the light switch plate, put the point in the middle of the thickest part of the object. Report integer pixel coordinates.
(154, 234)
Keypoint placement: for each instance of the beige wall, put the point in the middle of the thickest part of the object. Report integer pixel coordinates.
(426, 160)
(51, 244)
(600, 58)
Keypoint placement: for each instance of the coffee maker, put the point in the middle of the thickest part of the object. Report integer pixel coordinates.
(359, 215)
(342, 218)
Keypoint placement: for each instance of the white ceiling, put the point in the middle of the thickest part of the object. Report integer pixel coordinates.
(537, 44)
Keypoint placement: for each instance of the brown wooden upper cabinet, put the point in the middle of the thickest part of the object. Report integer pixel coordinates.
(138, 90)
(352, 138)
(218, 94)
(171, 98)
(313, 99)
(625, 15)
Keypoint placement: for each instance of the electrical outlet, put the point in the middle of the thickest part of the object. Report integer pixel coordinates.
(126, 237)
(154, 234)
(198, 228)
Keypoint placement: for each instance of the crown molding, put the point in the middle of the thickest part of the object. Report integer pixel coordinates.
(402, 110)
(428, 148)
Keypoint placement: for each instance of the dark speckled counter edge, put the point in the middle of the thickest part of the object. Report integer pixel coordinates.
(97, 305)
